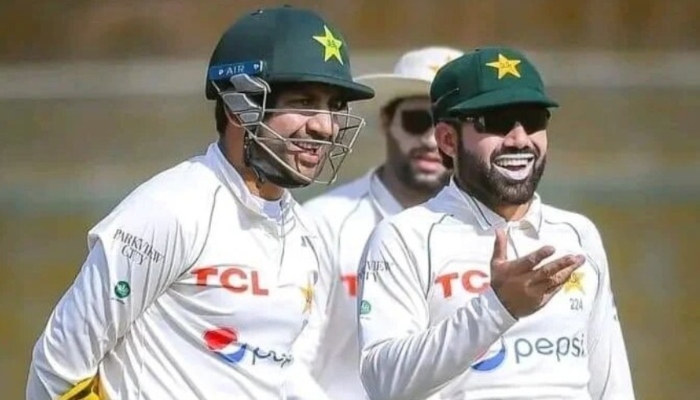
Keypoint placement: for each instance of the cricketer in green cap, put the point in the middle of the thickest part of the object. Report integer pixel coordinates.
(491, 114)
(282, 80)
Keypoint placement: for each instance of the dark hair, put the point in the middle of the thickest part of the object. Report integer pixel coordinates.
(220, 116)
(457, 126)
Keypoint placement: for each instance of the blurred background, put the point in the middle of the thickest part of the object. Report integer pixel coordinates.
(97, 96)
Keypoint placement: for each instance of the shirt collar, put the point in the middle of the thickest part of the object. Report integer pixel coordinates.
(383, 200)
(234, 182)
(486, 218)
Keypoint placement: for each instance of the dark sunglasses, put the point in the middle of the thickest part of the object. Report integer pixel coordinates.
(416, 122)
(502, 121)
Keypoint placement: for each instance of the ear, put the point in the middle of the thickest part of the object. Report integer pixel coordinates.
(446, 137)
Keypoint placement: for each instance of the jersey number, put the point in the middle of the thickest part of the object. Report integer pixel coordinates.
(576, 304)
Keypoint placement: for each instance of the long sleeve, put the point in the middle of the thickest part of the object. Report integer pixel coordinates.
(134, 256)
(402, 356)
(608, 362)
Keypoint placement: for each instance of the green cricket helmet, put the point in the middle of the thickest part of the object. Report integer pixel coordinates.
(277, 46)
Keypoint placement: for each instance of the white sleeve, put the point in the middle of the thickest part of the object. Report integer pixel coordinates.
(402, 356)
(608, 363)
(134, 256)
(301, 385)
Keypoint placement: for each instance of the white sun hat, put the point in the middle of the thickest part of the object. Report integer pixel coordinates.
(412, 76)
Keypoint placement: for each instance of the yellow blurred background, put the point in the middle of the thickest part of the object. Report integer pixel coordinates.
(97, 96)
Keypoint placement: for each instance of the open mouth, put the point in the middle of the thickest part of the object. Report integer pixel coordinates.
(307, 153)
(515, 166)
(308, 146)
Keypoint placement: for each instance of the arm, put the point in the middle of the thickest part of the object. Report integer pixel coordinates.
(134, 255)
(402, 356)
(608, 363)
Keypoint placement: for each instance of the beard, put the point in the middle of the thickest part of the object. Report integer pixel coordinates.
(400, 161)
(489, 186)
(425, 182)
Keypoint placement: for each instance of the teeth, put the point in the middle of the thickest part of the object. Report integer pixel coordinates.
(514, 160)
(518, 174)
(512, 163)
(516, 157)
(309, 146)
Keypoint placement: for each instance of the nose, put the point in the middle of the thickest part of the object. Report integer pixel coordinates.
(428, 139)
(322, 125)
(517, 137)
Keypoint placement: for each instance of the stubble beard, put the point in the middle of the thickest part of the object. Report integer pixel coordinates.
(422, 182)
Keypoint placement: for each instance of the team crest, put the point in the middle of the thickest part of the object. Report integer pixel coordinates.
(308, 293)
(575, 283)
(505, 66)
(331, 45)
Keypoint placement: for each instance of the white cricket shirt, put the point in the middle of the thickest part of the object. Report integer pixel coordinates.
(190, 291)
(430, 325)
(345, 217)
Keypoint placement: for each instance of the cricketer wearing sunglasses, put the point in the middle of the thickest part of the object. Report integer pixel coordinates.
(485, 292)
(411, 173)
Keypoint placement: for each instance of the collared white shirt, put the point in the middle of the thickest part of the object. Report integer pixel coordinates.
(430, 324)
(189, 291)
(345, 216)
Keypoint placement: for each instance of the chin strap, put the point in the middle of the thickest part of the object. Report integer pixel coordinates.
(247, 154)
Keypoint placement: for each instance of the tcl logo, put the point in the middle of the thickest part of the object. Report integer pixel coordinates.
(472, 281)
(350, 282)
(234, 279)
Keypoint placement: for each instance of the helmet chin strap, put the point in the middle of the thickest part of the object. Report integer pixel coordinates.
(249, 115)
(246, 106)
(265, 167)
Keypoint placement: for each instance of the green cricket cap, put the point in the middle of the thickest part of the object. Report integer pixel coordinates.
(284, 44)
(486, 78)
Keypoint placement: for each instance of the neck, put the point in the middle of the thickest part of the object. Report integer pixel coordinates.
(405, 195)
(509, 212)
(264, 190)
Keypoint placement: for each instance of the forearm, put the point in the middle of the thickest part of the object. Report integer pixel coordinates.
(419, 364)
(60, 360)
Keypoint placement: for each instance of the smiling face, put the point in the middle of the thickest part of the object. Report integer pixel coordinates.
(412, 149)
(500, 154)
(305, 125)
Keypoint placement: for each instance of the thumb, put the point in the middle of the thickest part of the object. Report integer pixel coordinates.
(500, 247)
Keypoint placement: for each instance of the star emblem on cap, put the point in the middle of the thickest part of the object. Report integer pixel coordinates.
(331, 45)
(505, 66)
(575, 282)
